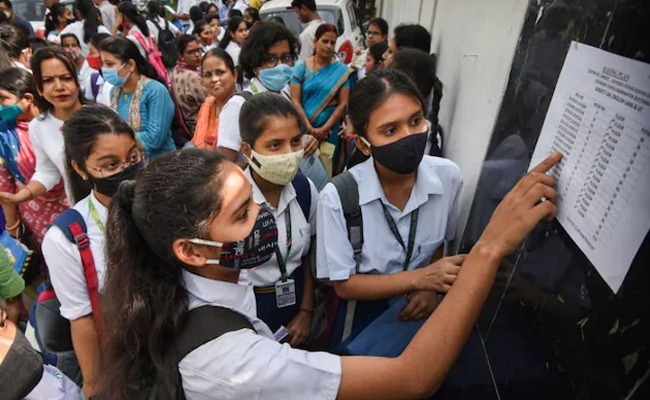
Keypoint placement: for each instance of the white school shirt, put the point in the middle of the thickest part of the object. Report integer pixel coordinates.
(153, 30)
(307, 37)
(229, 136)
(233, 50)
(64, 261)
(184, 6)
(132, 38)
(240, 5)
(302, 230)
(435, 193)
(77, 28)
(54, 385)
(45, 133)
(249, 365)
(84, 75)
(108, 14)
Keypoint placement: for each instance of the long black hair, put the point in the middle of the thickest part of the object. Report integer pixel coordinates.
(131, 12)
(90, 15)
(371, 92)
(154, 10)
(196, 14)
(233, 25)
(174, 197)
(52, 19)
(36, 65)
(80, 134)
(265, 106)
(12, 41)
(18, 82)
(125, 50)
(261, 37)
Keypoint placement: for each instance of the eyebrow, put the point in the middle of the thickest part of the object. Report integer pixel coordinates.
(110, 156)
(244, 204)
(387, 124)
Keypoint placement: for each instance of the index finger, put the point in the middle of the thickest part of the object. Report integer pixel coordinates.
(548, 163)
(457, 259)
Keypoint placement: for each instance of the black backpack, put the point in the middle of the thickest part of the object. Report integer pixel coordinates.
(166, 44)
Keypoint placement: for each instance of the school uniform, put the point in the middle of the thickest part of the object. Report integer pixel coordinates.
(248, 364)
(229, 136)
(77, 29)
(433, 205)
(64, 260)
(265, 277)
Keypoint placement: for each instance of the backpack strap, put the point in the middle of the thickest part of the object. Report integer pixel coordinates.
(348, 190)
(206, 323)
(73, 226)
(303, 193)
(243, 93)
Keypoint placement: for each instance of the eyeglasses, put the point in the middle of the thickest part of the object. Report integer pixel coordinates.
(194, 52)
(271, 61)
(113, 168)
(373, 33)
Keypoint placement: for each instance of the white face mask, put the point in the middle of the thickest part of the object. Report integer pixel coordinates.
(279, 169)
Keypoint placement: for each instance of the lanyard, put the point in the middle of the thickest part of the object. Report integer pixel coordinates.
(282, 263)
(254, 89)
(95, 215)
(393, 228)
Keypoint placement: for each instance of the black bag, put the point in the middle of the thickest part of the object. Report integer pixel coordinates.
(166, 44)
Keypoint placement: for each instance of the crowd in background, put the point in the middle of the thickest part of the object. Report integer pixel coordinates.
(284, 148)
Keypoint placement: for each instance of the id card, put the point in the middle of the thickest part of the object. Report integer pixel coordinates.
(285, 293)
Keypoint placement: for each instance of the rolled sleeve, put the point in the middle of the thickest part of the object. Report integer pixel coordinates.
(229, 136)
(46, 172)
(244, 365)
(66, 274)
(334, 252)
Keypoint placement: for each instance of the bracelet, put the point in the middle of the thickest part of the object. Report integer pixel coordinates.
(16, 225)
(303, 309)
(31, 195)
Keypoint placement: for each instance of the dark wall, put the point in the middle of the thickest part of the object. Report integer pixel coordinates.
(552, 328)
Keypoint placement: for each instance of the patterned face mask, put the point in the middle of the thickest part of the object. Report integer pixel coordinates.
(279, 169)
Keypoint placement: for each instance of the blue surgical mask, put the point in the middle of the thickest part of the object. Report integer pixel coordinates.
(10, 113)
(110, 75)
(276, 78)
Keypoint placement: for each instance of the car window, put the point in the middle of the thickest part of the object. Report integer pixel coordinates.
(31, 10)
(353, 16)
(332, 16)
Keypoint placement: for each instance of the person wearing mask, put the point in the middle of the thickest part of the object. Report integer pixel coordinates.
(217, 31)
(220, 80)
(186, 83)
(16, 45)
(320, 89)
(97, 89)
(405, 198)
(204, 35)
(56, 20)
(267, 59)
(408, 36)
(252, 16)
(19, 22)
(60, 96)
(272, 145)
(138, 95)
(71, 46)
(234, 38)
(171, 240)
(17, 109)
(136, 28)
(87, 25)
(101, 151)
(308, 16)
(107, 11)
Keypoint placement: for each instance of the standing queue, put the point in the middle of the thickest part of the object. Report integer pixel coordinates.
(204, 272)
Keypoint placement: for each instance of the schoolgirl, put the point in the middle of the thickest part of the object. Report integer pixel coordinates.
(101, 151)
(177, 239)
(271, 142)
(408, 204)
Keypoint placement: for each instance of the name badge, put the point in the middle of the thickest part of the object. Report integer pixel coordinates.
(285, 293)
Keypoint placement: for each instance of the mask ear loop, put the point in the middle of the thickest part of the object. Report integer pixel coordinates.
(205, 242)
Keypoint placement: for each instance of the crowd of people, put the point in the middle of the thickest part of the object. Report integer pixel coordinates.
(224, 208)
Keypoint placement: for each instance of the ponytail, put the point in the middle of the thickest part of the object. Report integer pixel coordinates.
(233, 25)
(90, 15)
(146, 301)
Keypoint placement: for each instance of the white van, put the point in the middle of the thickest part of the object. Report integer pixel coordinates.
(339, 13)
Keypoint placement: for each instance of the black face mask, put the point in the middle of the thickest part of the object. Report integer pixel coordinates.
(402, 156)
(108, 186)
(21, 370)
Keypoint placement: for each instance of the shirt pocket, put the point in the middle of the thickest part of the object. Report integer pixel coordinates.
(425, 252)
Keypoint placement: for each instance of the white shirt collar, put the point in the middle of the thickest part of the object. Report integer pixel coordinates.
(427, 183)
(287, 195)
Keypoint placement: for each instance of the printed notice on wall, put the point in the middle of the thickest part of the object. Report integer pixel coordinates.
(599, 119)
